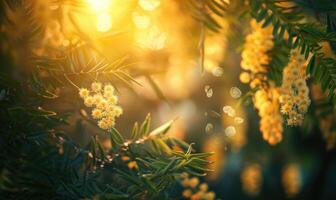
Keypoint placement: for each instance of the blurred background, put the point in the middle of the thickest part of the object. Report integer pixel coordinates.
(159, 41)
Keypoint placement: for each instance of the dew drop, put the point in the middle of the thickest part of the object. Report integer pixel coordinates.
(232, 113)
(230, 131)
(238, 120)
(235, 92)
(208, 91)
(208, 128)
(226, 109)
(229, 111)
(90, 155)
(218, 72)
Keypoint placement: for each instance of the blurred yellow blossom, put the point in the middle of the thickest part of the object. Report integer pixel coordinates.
(187, 193)
(251, 179)
(132, 165)
(291, 179)
(327, 122)
(245, 77)
(214, 143)
(257, 44)
(193, 182)
(267, 102)
(195, 191)
(266, 99)
(149, 5)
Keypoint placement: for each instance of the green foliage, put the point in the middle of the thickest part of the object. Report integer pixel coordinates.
(279, 60)
(207, 12)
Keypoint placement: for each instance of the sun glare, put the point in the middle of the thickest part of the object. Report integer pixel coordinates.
(149, 5)
(104, 19)
(104, 22)
(141, 21)
(99, 5)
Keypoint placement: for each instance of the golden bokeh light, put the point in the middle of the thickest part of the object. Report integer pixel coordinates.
(251, 178)
(149, 5)
(104, 18)
(99, 5)
(154, 38)
(291, 179)
(141, 21)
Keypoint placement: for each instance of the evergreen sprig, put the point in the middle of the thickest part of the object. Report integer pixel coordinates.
(42, 162)
(207, 12)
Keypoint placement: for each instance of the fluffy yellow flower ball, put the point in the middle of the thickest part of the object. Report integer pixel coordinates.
(97, 113)
(88, 101)
(83, 92)
(194, 182)
(194, 190)
(112, 100)
(203, 187)
(108, 88)
(106, 123)
(245, 77)
(187, 193)
(118, 111)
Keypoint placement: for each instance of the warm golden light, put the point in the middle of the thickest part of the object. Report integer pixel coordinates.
(104, 19)
(99, 5)
(149, 5)
(153, 39)
(104, 22)
(141, 21)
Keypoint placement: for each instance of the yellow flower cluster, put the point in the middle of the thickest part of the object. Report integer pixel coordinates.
(255, 61)
(104, 102)
(267, 103)
(251, 179)
(194, 190)
(257, 44)
(294, 97)
(291, 179)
